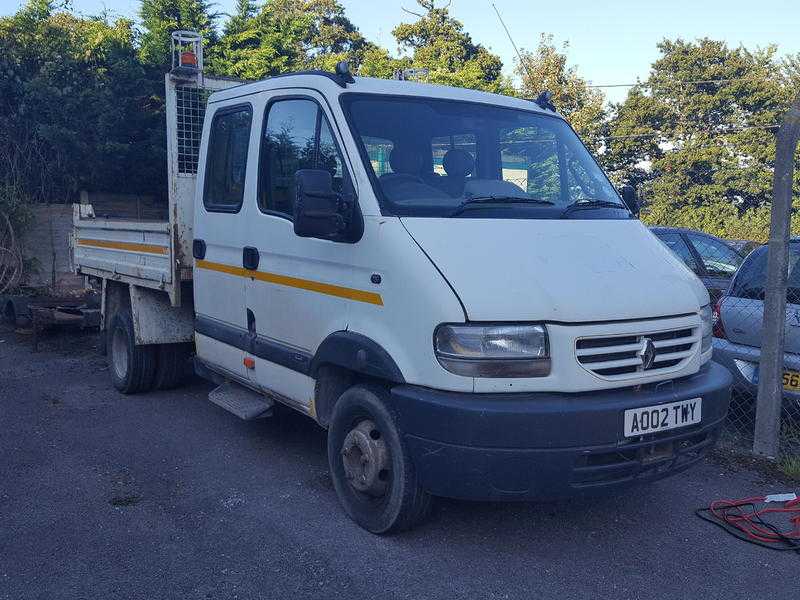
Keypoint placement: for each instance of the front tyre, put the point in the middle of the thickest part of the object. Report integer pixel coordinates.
(370, 466)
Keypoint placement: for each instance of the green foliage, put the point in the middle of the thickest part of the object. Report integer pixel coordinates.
(439, 43)
(546, 69)
(286, 35)
(703, 153)
(377, 62)
(78, 109)
(161, 17)
(790, 466)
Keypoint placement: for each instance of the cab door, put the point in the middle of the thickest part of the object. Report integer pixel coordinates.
(299, 294)
(220, 232)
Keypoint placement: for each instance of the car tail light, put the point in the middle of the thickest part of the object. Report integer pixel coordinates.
(716, 320)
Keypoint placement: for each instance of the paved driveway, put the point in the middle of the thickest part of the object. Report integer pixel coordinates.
(167, 496)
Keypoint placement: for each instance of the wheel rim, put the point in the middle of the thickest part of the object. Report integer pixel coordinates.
(119, 353)
(366, 459)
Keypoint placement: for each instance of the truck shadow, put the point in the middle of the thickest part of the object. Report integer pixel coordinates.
(471, 521)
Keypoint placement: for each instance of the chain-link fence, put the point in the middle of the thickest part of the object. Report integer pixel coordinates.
(738, 331)
(755, 294)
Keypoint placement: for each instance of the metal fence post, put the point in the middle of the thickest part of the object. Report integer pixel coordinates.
(770, 384)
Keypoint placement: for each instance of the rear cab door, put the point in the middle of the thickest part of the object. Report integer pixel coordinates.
(225, 181)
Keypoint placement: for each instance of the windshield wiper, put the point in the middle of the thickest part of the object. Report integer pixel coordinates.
(502, 200)
(582, 204)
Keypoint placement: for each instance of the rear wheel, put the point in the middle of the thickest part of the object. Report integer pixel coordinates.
(172, 365)
(132, 367)
(372, 471)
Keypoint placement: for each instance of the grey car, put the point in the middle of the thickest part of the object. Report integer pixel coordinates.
(738, 317)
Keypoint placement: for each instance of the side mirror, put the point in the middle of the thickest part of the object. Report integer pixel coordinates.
(630, 198)
(319, 212)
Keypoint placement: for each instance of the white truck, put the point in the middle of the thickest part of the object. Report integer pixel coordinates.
(442, 278)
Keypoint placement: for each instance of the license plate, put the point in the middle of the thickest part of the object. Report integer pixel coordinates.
(663, 417)
(791, 381)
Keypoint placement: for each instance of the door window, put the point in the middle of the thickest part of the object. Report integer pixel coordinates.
(226, 164)
(296, 136)
(674, 241)
(717, 257)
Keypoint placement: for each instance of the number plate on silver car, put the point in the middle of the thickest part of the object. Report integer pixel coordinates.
(652, 419)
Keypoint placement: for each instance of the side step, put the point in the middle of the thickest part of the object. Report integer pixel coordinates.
(244, 403)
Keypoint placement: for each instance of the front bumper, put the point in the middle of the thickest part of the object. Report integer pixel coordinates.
(547, 445)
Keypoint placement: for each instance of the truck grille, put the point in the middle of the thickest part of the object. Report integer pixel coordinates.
(621, 356)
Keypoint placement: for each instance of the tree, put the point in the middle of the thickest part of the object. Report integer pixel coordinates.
(546, 69)
(438, 42)
(377, 62)
(77, 107)
(161, 17)
(700, 131)
(245, 10)
(287, 35)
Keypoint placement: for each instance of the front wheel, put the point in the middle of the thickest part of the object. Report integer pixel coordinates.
(372, 471)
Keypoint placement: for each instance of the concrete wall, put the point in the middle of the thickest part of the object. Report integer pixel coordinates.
(46, 244)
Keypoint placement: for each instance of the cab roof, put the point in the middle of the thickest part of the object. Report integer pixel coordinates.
(330, 85)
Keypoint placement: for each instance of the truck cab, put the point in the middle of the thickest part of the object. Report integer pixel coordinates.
(447, 282)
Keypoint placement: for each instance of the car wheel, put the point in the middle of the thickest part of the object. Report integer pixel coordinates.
(372, 471)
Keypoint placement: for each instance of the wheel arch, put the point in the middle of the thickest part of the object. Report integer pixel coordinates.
(342, 359)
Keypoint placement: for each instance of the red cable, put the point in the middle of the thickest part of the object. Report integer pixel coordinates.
(733, 513)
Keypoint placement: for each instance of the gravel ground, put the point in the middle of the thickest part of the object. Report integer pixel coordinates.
(166, 495)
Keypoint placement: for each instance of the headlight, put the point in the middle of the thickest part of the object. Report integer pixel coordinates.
(706, 326)
(493, 350)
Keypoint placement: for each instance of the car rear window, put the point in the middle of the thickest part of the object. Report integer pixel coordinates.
(752, 276)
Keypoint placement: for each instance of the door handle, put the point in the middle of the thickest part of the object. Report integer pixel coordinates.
(199, 249)
(250, 257)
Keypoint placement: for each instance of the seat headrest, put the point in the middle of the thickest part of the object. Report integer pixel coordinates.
(458, 163)
(404, 159)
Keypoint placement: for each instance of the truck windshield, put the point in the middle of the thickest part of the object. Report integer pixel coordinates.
(429, 157)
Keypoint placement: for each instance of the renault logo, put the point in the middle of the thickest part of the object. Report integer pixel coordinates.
(647, 353)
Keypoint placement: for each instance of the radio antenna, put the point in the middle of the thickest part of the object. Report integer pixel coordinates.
(510, 39)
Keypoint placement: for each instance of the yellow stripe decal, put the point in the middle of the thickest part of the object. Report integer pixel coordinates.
(294, 282)
(131, 246)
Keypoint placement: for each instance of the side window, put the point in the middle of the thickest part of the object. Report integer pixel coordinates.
(226, 164)
(717, 257)
(328, 156)
(287, 147)
(674, 241)
(296, 136)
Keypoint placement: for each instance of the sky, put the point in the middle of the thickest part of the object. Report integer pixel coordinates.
(610, 41)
